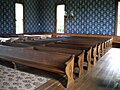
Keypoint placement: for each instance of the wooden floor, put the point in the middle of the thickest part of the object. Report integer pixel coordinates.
(104, 75)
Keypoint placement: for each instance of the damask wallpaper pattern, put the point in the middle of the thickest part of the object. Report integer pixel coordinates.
(90, 16)
(47, 17)
(31, 16)
(7, 19)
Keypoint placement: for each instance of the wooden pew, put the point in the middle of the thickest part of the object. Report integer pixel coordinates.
(60, 50)
(42, 40)
(27, 44)
(108, 44)
(56, 49)
(103, 43)
(88, 51)
(52, 62)
(83, 41)
(89, 40)
(33, 37)
(86, 45)
(107, 41)
(79, 54)
(12, 44)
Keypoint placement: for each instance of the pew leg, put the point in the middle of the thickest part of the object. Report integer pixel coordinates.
(69, 71)
(81, 63)
(15, 67)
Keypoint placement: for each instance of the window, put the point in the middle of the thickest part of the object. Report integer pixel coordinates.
(60, 19)
(19, 18)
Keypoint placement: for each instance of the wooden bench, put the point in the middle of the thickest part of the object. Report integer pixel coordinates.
(33, 37)
(104, 44)
(87, 51)
(60, 50)
(52, 62)
(81, 44)
(12, 44)
(116, 44)
(79, 54)
(81, 41)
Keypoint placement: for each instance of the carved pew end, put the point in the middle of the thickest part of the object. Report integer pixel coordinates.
(94, 54)
(81, 63)
(98, 51)
(69, 71)
(89, 66)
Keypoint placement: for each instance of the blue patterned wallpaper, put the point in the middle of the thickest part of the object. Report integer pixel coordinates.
(31, 16)
(47, 18)
(7, 24)
(90, 16)
(39, 15)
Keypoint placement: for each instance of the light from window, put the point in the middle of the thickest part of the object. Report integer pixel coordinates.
(19, 18)
(60, 18)
(118, 26)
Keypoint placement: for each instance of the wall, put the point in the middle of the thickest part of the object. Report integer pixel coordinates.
(7, 16)
(48, 20)
(7, 24)
(31, 16)
(90, 16)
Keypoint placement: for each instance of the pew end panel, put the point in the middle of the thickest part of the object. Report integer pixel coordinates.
(110, 43)
(103, 48)
(94, 54)
(81, 63)
(107, 45)
(89, 66)
(98, 51)
(69, 69)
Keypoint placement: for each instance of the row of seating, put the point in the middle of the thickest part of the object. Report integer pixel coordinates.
(74, 51)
